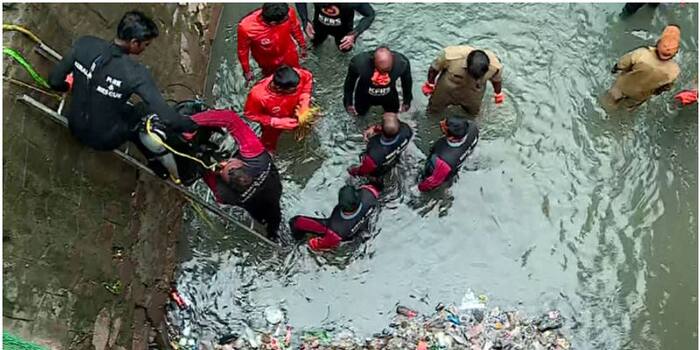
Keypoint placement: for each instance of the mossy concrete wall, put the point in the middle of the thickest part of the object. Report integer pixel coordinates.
(68, 209)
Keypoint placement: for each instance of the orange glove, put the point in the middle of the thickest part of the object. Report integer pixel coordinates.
(499, 98)
(428, 88)
(313, 244)
(687, 97)
(69, 81)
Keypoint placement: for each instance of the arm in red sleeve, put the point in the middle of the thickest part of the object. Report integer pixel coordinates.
(296, 29)
(243, 48)
(440, 173)
(371, 188)
(248, 143)
(329, 240)
(366, 167)
(254, 109)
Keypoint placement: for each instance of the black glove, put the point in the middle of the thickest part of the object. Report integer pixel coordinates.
(183, 124)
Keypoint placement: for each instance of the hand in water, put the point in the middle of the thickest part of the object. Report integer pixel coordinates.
(347, 42)
(351, 109)
(405, 108)
(427, 88)
(310, 32)
(499, 98)
(371, 131)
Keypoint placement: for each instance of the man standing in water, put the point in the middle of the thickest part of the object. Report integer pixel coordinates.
(371, 81)
(463, 72)
(385, 143)
(350, 216)
(267, 32)
(276, 101)
(335, 19)
(646, 71)
(449, 152)
(250, 179)
(102, 78)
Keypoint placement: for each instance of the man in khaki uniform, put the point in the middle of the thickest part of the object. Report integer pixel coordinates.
(646, 71)
(463, 72)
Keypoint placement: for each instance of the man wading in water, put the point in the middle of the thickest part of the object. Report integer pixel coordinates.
(463, 72)
(645, 72)
(371, 81)
(335, 19)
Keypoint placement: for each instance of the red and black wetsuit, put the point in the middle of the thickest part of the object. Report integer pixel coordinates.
(382, 154)
(360, 91)
(336, 19)
(264, 104)
(339, 226)
(272, 46)
(262, 198)
(446, 157)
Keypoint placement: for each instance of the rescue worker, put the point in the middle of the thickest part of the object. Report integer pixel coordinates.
(102, 77)
(385, 143)
(646, 71)
(463, 72)
(371, 81)
(249, 179)
(335, 19)
(275, 101)
(267, 33)
(350, 216)
(449, 152)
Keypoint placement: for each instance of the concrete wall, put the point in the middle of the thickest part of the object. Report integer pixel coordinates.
(67, 208)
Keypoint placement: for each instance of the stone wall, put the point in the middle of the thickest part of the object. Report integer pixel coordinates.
(68, 210)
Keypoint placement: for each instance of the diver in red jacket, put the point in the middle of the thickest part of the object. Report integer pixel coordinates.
(267, 32)
(449, 152)
(350, 216)
(249, 179)
(275, 101)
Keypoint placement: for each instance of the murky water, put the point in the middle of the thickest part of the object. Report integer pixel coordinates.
(562, 206)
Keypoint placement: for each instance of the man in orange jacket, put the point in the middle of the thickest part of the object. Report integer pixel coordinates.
(267, 32)
(275, 102)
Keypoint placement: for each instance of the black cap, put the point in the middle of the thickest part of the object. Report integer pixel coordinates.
(457, 127)
(348, 198)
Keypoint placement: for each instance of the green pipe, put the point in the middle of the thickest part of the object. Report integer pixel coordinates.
(28, 67)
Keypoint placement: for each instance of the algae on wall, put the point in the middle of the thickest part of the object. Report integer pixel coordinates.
(68, 209)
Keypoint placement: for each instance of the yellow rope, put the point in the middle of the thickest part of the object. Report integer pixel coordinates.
(160, 142)
(21, 29)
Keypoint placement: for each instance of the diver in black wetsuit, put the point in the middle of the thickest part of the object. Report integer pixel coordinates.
(103, 79)
(335, 19)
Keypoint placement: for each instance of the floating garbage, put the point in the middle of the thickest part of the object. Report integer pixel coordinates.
(468, 325)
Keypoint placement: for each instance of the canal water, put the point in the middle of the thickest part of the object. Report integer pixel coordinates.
(562, 205)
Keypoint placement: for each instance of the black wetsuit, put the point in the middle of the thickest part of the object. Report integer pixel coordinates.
(361, 92)
(336, 19)
(99, 115)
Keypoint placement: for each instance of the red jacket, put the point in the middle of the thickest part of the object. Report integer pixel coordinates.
(263, 104)
(269, 44)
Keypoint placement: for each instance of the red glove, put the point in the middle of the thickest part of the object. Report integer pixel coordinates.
(687, 97)
(69, 81)
(499, 98)
(188, 136)
(313, 244)
(284, 123)
(427, 88)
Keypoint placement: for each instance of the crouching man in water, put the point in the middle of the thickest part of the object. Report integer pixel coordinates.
(350, 216)
(249, 179)
(385, 143)
(449, 152)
